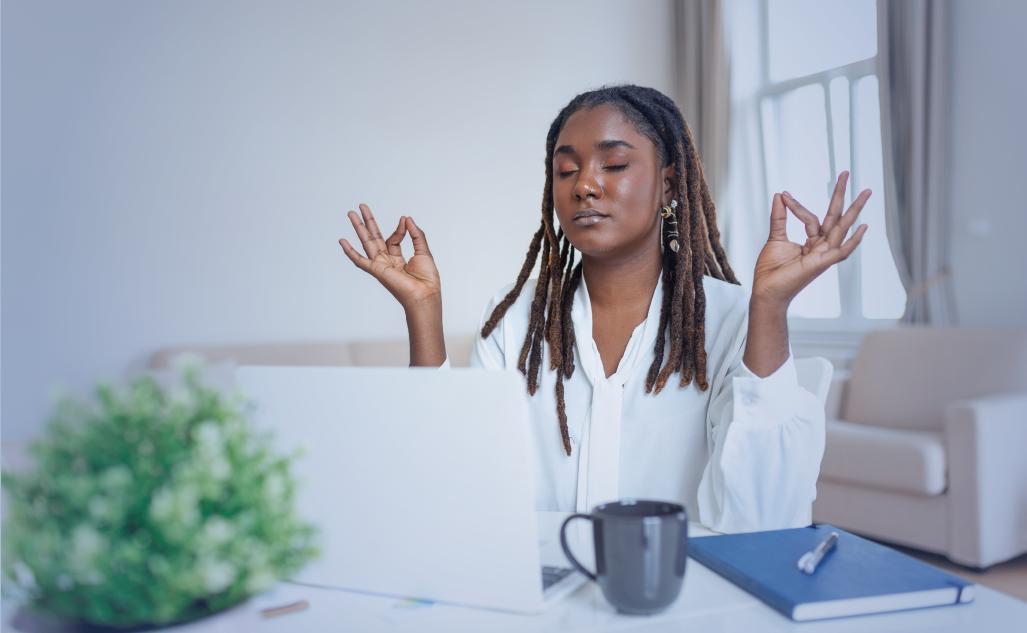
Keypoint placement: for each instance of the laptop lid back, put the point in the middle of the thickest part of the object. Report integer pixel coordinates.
(419, 480)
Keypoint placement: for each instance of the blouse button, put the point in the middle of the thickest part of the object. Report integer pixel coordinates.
(746, 400)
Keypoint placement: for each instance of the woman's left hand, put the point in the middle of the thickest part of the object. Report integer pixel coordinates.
(784, 268)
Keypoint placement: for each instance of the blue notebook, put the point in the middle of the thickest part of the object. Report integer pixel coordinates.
(857, 577)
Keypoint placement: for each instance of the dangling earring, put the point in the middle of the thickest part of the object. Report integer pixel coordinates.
(669, 216)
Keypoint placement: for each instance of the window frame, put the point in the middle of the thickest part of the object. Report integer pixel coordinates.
(850, 288)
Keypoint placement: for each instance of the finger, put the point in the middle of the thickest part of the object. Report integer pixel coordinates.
(778, 220)
(833, 256)
(393, 243)
(417, 238)
(371, 246)
(359, 260)
(834, 210)
(372, 226)
(850, 244)
(808, 217)
(839, 230)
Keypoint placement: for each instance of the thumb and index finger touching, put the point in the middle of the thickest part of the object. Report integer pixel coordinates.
(784, 202)
(366, 228)
(834, 228)
(835, 224)
(394, 243)
(417, 238)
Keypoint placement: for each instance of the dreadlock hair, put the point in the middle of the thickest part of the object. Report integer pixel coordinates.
(683, 310)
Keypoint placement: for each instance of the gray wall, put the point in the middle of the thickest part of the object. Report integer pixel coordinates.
(179, 172)
(989, 161)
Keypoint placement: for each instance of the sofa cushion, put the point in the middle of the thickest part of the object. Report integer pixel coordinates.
(889, 459)
(396, 352)
(377, 353)
(302, 354)
(903, 378)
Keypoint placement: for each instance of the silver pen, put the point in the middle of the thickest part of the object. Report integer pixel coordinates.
(809, 561)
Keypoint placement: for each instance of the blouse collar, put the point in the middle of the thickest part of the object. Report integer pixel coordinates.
(643, 338)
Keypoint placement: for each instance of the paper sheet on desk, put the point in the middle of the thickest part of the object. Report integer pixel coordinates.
(704, 596)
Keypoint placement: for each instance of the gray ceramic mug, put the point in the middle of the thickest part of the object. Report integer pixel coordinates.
(641, 549)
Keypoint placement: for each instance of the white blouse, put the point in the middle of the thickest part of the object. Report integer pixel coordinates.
(743, 456)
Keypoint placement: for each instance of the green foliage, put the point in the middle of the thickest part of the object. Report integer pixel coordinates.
(152, 506)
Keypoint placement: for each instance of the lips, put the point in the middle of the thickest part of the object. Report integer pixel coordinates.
(587, 217)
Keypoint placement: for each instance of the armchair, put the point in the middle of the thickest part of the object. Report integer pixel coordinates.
(925, 447)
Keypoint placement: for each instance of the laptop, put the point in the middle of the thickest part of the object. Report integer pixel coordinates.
(420, 481)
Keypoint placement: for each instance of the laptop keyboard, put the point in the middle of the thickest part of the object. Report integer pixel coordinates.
(553, 575)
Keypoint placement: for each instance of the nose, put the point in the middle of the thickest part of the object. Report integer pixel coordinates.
(587, 186)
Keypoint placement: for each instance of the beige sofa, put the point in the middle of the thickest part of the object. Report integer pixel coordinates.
(383, 353)
(927, 444)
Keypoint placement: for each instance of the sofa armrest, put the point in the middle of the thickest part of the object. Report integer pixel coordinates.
(985, 439)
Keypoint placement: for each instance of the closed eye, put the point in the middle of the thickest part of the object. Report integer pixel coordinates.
(617, 167)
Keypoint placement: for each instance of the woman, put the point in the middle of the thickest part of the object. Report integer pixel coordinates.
(736, 438)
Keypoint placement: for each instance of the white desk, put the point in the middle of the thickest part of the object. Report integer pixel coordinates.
(707, 603)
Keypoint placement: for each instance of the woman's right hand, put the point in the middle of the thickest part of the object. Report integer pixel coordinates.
(413, 283)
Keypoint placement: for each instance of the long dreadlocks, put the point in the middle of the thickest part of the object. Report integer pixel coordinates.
(683, 311)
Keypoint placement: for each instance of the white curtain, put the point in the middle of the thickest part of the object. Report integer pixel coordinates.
(743, 210)
(913, 71)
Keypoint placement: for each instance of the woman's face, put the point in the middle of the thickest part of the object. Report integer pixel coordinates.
(607, 184)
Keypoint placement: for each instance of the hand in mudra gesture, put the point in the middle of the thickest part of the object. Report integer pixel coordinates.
(412, 282)
(783, 267)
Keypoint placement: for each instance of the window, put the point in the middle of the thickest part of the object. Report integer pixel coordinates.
(819, 115)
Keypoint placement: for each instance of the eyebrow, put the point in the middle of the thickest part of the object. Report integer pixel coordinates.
(600, 146)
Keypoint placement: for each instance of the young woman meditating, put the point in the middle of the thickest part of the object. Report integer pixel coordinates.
(652, 373)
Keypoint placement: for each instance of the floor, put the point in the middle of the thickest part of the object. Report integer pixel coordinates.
(1009, 577)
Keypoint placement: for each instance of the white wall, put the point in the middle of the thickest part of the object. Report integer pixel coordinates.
(179, 172)
(989, 162)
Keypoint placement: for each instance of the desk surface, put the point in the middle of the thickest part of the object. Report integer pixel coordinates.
(707, 603)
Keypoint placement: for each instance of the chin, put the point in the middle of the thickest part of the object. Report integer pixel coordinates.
(595, 245)
(602, 242)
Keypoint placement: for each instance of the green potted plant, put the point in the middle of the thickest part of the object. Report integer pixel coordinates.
(150, 507)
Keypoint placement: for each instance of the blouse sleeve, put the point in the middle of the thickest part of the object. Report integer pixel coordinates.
(488, 353)
(766, 441)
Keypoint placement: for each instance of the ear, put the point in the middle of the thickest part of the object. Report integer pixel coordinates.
(669, 176)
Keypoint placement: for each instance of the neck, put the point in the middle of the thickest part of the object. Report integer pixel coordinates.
(626, 283)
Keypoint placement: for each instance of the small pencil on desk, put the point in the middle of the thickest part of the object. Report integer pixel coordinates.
(282, 610)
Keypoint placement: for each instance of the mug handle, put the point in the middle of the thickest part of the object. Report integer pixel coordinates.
(567, 550)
